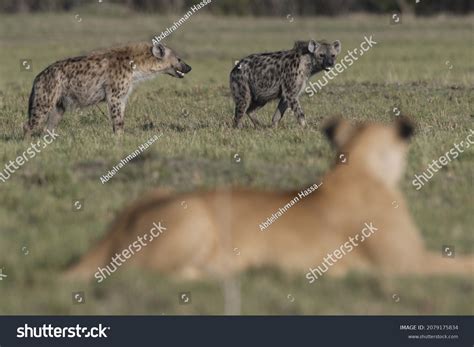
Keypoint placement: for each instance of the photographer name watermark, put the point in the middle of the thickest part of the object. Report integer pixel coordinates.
(181, 21)
(282, 210)
(105, 178)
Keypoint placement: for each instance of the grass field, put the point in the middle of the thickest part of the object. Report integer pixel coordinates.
(40, 233)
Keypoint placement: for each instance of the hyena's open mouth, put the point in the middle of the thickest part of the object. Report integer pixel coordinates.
(181, 71)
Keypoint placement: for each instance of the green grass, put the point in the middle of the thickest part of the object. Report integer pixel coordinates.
(406, 69)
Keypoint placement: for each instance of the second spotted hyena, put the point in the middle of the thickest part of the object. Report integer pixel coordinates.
(260, 78)
(107, 75)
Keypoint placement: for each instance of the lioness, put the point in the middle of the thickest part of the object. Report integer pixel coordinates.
(220, 232)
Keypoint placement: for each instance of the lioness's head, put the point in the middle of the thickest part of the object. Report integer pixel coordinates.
(168, 62)
(381, 149)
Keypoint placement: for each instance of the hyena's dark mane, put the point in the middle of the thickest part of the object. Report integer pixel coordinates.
(301, 47)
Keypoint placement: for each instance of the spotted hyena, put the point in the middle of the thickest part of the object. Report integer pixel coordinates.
(260, 78)
(107, 75)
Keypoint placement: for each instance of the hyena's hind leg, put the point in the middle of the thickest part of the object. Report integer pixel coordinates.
(251, 113)
(36, 119)
(55, 116)
(42, 101)
(242, 98)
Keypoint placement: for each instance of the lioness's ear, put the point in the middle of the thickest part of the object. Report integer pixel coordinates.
(312, 46)
(158, 50)
(338, 131)
(337, 46)
(405, 127)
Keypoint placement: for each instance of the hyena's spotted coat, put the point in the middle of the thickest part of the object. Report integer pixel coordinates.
(260, 78)
(107, 75)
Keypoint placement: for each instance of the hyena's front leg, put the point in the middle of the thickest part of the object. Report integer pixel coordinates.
(116, 102)
(290, 94)
(280, 111)
(297, 110)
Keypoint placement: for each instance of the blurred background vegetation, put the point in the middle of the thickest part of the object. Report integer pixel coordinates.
(256, 7)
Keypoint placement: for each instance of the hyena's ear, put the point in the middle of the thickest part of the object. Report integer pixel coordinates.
(159, 50)
(337, 46)
(302, 46)
(405, 127)
(338, 131)
(312, 46)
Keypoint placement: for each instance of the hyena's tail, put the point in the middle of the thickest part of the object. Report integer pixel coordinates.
(99, 256)
(31, 100)
(27, 126)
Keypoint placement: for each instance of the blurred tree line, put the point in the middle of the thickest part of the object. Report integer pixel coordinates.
(257, 7)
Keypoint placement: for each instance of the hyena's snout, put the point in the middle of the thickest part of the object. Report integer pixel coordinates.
(181, 69)
(328, 63)
(185, 68)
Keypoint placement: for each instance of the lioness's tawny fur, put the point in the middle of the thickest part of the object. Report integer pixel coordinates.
(218, 233)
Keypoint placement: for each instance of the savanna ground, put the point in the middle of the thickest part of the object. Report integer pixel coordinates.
(40, 233)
